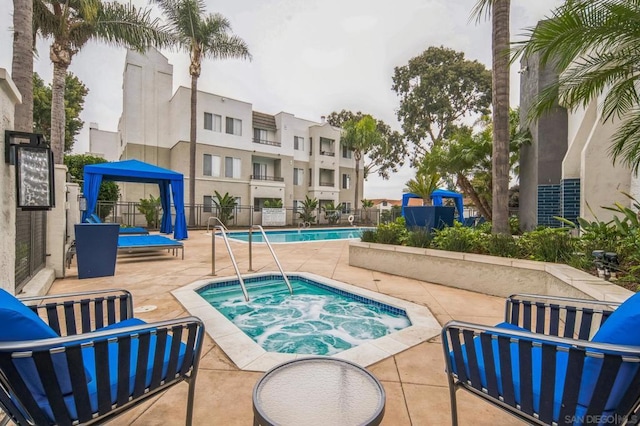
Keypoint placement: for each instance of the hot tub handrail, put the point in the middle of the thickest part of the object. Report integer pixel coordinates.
(273, 253)
(233, 259)
(224, 228)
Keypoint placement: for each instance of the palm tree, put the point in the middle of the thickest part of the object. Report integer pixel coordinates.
(499, 11)
(202, 36)
(22, 63)
(423, 185)
(71, 24)
(359, 136)
(594, 46)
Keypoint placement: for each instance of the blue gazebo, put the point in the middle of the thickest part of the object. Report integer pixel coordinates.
(437, 197)
(138, 171)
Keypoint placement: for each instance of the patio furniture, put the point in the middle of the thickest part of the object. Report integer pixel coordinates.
(96, 248)
(128, 230)
(553, 360)
(131, 243)
(318, 391)
(82, 358)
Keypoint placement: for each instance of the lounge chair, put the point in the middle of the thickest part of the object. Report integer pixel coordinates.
(553, 360)
(82, 358)
(146, 242)
(127, 230)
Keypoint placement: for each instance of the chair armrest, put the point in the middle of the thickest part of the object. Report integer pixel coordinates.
(74, 313)
(558, 316)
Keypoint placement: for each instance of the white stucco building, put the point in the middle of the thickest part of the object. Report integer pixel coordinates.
(251, 155)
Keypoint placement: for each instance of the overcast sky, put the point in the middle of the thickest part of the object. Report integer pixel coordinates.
(310, 58)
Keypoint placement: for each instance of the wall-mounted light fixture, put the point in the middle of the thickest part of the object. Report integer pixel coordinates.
(33, 158)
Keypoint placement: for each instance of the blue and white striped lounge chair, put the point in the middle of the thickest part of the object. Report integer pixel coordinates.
(553, 361)
(82, 358)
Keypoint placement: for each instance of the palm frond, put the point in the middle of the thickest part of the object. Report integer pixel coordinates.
(481, 11)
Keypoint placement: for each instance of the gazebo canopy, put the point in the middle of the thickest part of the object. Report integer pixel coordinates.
(138, 171)
(437, 197)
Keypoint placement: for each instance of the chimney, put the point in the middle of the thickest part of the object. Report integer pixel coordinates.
(323, 119)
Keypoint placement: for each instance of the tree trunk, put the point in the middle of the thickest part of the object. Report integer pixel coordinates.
(192, 150)
(22, 63)
(357, 157)
(470, 192)
(61, 58)
(500, 159)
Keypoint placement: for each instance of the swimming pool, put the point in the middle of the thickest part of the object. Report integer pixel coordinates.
(248, 355)
(300, 235)
(316, 319)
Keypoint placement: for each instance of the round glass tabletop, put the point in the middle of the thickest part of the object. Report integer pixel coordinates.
(318, 391)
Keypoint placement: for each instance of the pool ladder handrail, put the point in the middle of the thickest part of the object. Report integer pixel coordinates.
(273, 253)
(233, 259)
(219, 221)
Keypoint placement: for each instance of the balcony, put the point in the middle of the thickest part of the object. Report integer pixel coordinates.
(266, 142)
(327, 183)
(269, 178)
(328, 153)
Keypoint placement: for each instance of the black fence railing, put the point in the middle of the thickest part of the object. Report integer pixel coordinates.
(328, 153)
(266, 142)
(270, 178)
(327, 184)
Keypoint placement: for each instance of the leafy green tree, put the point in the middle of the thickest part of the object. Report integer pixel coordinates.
(437, 89)
(309, 206)
(150, 208)
(383, 157)
(594, 47)
(225, 204)
(332, 212)
(109, 191)
(70, 25)
(500, 18)
(74, 93)
(201, 36)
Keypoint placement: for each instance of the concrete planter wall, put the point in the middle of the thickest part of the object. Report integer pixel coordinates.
(497, 276)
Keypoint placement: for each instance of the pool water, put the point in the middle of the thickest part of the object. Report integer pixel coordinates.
(300, 235)
(316, 319)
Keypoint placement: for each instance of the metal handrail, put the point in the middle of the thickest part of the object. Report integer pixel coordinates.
(224, 228)
(233, 258)
(273, 253)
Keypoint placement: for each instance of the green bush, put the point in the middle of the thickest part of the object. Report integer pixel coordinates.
(392, 232)
(459, 238)
(514, 225)
(548, 245)
(501, 245)
(150, 208)
(368, 236)
(419, 237)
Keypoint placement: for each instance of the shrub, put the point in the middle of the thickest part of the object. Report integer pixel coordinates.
(501, 245)
(548, 245)
(150, 208)
(514, 225)
(368, 236)
(392, 232)
(419, 237)
(458, 238)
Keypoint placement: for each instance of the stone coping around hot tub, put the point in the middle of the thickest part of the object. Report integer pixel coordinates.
(493, 275)
(248, 355)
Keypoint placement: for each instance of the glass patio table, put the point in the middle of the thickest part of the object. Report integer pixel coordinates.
(318, 391)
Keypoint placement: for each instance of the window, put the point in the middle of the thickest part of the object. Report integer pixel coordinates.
(210, 165)
(296, 205)
(298, 176)
(259, 171)
(346, 207)
(384, 204)
(238, 202)
(298, 143)
(346, 152)
(212, 122)
(234, 126)
(310, 177)
(346, 181)
(207, 203)
(232, 167)
(310, 146)
(259, 135)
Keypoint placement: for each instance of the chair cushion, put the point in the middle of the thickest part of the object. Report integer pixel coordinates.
(88, 355)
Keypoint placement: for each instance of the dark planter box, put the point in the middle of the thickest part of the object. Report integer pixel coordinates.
(96, 249)
(429, 216)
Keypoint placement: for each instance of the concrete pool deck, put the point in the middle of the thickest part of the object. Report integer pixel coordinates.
(414, 379)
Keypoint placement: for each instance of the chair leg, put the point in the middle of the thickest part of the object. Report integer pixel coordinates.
(454, 403)
(190, 397)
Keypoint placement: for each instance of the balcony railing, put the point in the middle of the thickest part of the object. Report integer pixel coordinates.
(266, 142)
(327, 184)
(328, 153)
(271, 178)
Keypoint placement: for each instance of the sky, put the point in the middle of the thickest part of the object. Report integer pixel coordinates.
(310, 58)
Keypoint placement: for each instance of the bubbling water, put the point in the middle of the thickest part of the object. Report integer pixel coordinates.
(321, 324)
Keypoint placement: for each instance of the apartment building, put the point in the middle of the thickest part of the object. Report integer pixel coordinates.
(251, 155)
